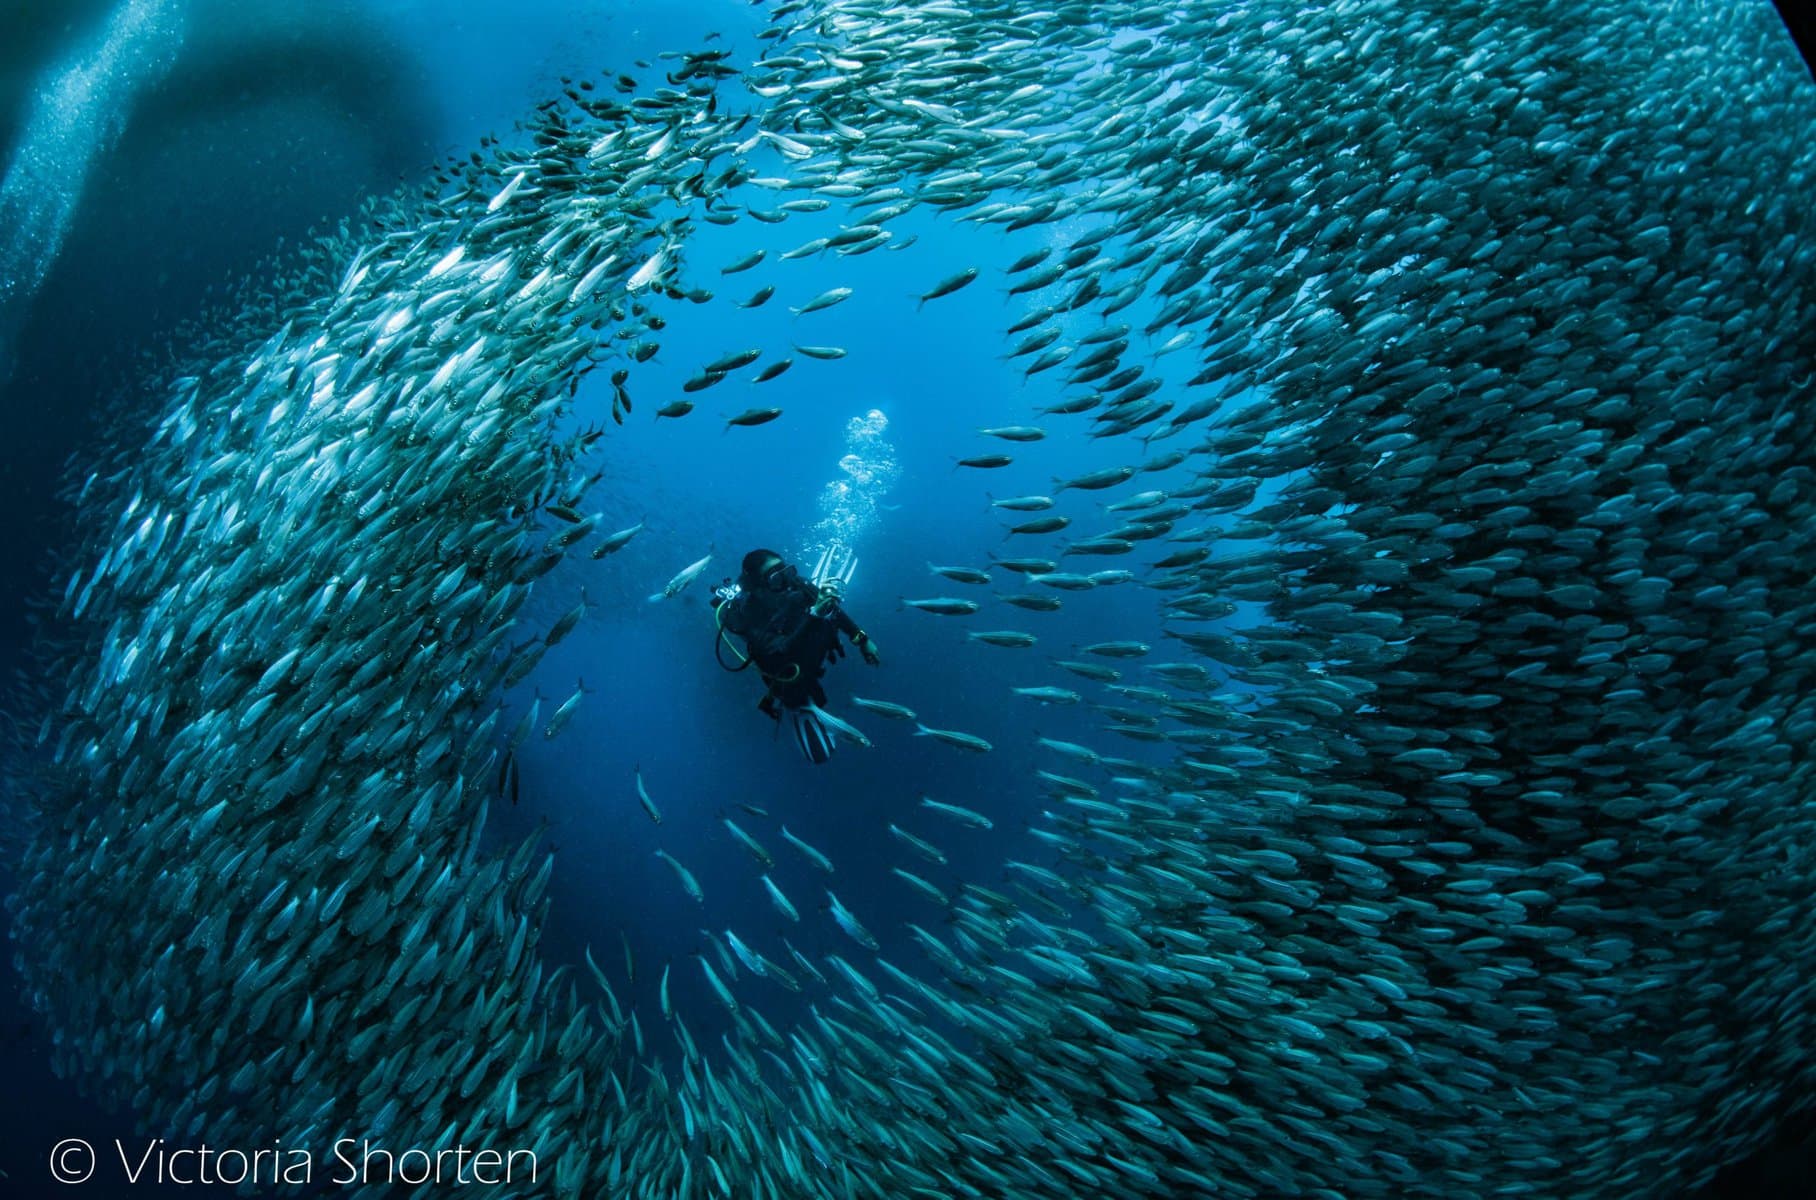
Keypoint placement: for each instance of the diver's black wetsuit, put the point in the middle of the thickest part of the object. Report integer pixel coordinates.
(787, 641)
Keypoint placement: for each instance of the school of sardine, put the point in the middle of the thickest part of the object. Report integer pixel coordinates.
(1470, 856)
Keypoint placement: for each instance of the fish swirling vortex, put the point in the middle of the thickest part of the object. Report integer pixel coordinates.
(1505, 322)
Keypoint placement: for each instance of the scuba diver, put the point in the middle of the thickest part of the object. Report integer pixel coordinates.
(790, 628)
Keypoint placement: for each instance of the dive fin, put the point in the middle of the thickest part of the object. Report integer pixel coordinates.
(813, 736)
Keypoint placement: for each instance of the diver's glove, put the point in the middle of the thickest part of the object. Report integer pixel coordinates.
(867, 647)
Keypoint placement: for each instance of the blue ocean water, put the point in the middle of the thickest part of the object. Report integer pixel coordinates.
(921, 378)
